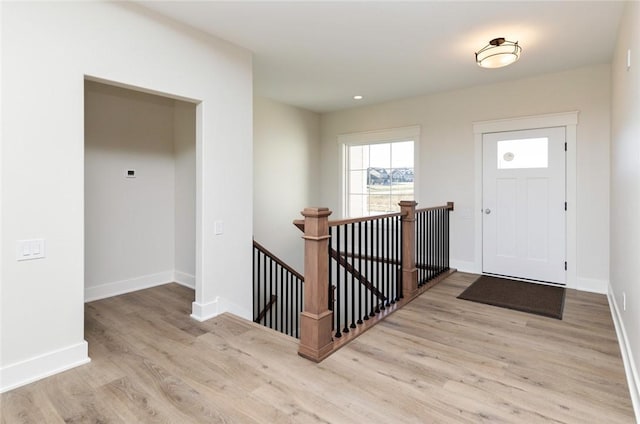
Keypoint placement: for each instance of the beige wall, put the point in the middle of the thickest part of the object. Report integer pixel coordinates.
(446, 163)
(42, 96)
(140, 231)
(184, 136)
(286, 148)
(129, 222)
(625, 193)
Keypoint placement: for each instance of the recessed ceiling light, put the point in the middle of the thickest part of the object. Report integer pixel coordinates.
(357, 97)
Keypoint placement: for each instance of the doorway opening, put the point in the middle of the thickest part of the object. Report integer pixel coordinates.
(140, 190)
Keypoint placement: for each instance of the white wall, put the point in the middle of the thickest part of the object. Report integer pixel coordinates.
(446, 151)
(129, 222)
(625, 194)
(47, 49)
(184, 126)
(286, 147)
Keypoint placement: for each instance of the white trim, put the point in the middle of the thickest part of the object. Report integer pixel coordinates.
(42, 366)
(185, 279)
(205, 311)
(562, 119)
(126, 286)
(592, 285)
(569, 120)
(381, 136)
(630, 369)
(390, 135)
(463, 266)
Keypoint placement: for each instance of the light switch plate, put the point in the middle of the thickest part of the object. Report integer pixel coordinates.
(218, 227)
(30, 249)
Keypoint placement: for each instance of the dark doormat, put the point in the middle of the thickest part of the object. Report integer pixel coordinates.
(526, 297)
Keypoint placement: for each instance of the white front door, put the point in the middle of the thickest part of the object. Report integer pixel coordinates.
(523, 228)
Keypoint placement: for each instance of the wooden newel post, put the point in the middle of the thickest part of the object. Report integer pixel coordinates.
(315, 320)
(409, 270)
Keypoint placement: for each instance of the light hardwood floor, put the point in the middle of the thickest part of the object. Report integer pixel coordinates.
(439, 359)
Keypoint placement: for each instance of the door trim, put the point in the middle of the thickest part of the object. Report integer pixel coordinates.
(569, 120)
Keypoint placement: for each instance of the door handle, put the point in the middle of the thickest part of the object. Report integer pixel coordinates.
(487, 211)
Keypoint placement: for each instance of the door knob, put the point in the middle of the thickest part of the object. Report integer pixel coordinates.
(487, 211)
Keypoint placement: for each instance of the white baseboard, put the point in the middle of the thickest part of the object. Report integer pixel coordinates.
(627, 355)
(465, 266)
(120, 287)
(592, 285)
(204, 311)
(33, 369)
(185, 279)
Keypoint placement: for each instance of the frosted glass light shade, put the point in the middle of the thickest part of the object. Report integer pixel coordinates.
(498, 53)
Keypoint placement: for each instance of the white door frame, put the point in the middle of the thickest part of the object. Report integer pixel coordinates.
(569, 120)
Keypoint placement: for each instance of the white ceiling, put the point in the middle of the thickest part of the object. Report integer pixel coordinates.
(317, 55)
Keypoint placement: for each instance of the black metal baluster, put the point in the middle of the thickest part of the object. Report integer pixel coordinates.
(353, 276)
(380, 287)
(299, 306)
(421, 248)
(264, 288)
(430, 244)
(281, 305)
(345, 287)
(330, 288)
(399, 256)
(387, 276)
(372, 269)
(434, 242)
(438, 240)
(361, 273)
(393, 261)
(427, 247)
(286, 306)
(256, 283)
(368, 295)
(338, 297)
(448, 239)
(270, 291)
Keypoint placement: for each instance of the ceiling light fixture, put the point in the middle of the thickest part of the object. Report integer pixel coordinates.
(498, 53)
(358, 97)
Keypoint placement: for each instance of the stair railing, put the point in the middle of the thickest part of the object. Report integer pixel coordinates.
(278, 292)
(358, 271)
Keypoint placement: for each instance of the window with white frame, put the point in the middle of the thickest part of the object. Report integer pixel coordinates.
(378, 171)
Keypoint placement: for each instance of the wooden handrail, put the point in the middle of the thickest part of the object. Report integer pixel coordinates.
(278, 260)
(363, 219)
(299, 223)
(449, 206)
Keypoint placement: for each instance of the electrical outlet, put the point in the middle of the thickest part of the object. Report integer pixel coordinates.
(624, 301)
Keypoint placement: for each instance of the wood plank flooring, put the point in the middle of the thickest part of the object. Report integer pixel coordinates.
(438, 360)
